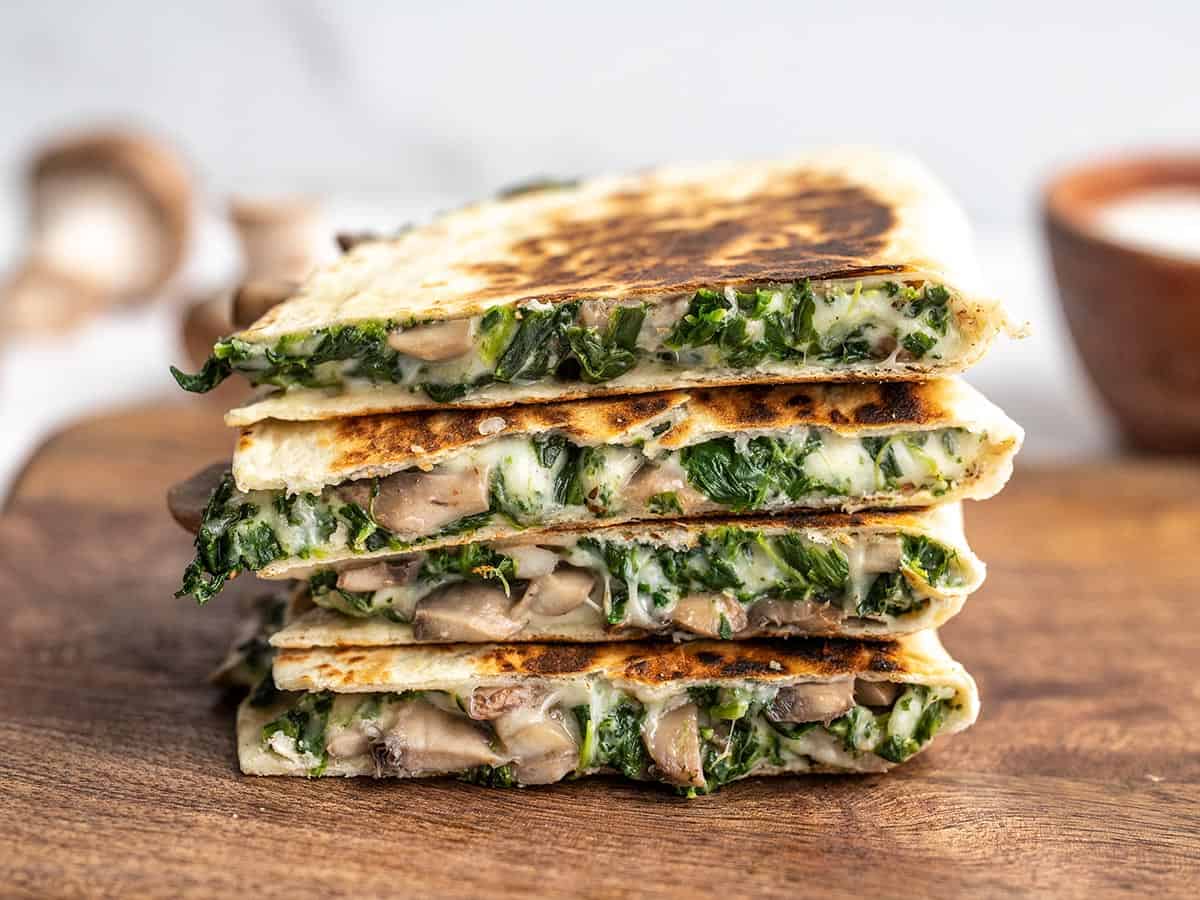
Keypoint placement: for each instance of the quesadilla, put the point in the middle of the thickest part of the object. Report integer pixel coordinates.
(695, 715)
(863, 575)
(839, 266)
(373, 486)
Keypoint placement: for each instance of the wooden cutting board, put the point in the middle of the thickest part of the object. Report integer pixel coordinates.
(118, 774)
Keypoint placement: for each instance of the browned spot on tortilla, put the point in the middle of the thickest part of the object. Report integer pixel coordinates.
(680, 236)
(559, 659)
(897, 402)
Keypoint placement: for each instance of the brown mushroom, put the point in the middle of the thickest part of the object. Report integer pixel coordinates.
(465, 611)
(673, 740)
(418, 503)
(110, 219)
(543, 749)
(662, 478)
(800, 616)
(814, 702)
(378, 575)
(711, 615)
(434, 343)
(188, 499)
(492, 702)
(875, 693)
(556, 594)
(425, 739)
(281, 237)
(253, 298)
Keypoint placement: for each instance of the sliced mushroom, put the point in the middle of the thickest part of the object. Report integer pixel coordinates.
(542, 747)
(661, 317)
(796, 615)
(433, 343)
(347, 743)
(664, 477)
(491, 702)
(379, 575)
(673, 740)
(703, 614)
(281, 237)
(816, 702)
(531, 561)
(361, 493)
(556, 594)
(422, 502)
(188, 499)
(253, 298)
(426, 740)
(875, 693)
(465, 612)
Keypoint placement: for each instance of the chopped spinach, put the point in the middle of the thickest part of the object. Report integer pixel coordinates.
(538, 345)
(228, 541)
(619, 740)
(665, 504)
(927, 559)
(490, 776)
(305, 723)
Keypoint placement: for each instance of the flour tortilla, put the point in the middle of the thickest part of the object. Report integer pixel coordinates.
(328, 628)
(308, 456)
(842, 215)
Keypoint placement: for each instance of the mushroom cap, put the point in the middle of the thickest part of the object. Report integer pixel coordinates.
(152, 167)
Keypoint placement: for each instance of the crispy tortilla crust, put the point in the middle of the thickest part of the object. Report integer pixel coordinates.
(843, 213)
(648, 668)
(306, 456)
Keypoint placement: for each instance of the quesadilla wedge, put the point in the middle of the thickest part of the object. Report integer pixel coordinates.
(373, 486)
(861, 575)
(843, 265)
(694, 715)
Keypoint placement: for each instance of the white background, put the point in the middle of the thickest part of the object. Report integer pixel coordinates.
(392, 110)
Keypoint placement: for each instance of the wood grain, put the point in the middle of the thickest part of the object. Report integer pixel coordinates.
(1081, 779)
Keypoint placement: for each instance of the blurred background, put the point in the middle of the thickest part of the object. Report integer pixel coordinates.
(310, 117)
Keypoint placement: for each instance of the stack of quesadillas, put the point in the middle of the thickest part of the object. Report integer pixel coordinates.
(656, 475)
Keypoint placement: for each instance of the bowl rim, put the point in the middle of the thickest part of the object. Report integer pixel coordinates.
(1064, 209)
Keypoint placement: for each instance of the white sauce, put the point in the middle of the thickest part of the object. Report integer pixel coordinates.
(1165, 220)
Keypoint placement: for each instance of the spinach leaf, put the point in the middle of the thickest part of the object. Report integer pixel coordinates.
(604, 357)
(890, 595)
(825, 570)
(665, 504)
(475, 562)
(489, 776)
(212, 373)
(849, 349)
(858, 728)
(918, 343)
(926, 558)
(932, 307)
(739, 479)
(735, 757)
(325, 582)
(446, 393)
(496, 328)
(702, 323)
(305, 723)
(619, 740)
(228, 541)
(538, 345)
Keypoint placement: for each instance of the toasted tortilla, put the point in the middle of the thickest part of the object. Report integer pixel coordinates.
(648, 669)
(328, 628)
(307, 456)
(837, 215)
